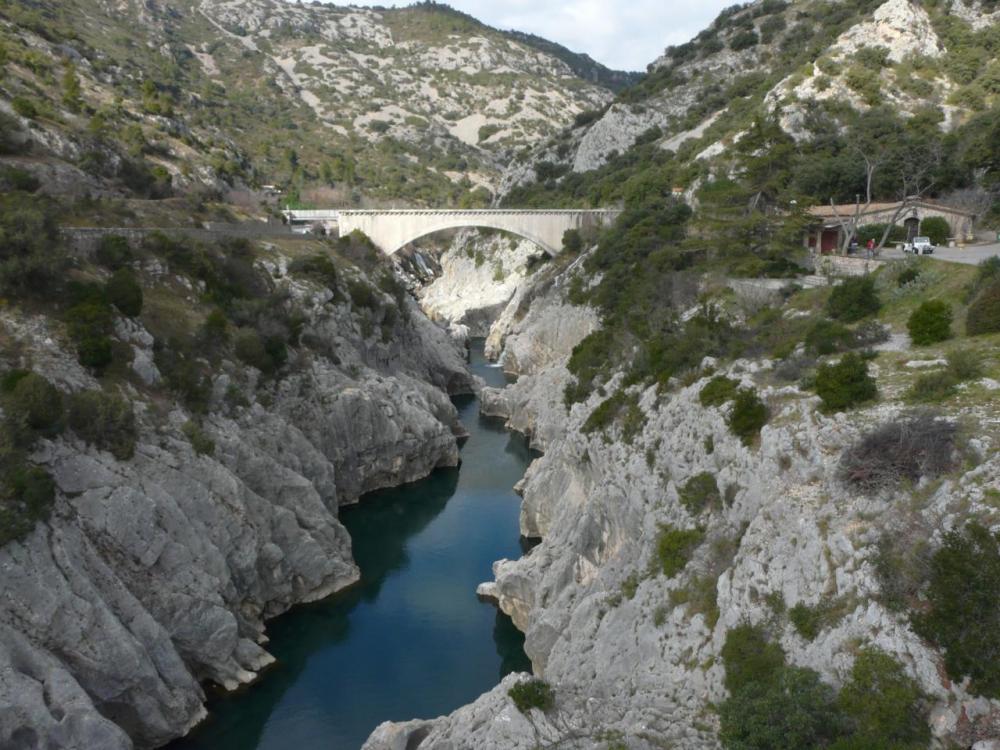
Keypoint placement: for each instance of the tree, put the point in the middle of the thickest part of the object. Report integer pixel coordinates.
(795, 710)
(71, 97)
(963, 618)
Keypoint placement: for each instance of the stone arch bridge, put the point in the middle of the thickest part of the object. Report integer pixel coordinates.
(391, 229)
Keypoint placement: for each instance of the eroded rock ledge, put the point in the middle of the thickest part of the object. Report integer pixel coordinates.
(157, 573)
(630, 658)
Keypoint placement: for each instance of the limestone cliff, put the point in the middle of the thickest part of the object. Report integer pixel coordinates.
(156, 573)
(633, 656)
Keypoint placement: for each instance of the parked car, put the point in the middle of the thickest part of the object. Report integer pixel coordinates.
(919, 246)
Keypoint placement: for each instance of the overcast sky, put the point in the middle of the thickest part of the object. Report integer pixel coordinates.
(622, 34)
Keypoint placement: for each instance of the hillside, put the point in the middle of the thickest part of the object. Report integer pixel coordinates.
(422, 104)
(814, 66)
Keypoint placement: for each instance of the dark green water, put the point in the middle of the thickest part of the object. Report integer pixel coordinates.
(411, 640)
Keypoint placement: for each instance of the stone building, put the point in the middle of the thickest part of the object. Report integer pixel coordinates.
(826, 235)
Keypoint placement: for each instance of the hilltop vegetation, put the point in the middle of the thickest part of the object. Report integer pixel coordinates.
(340, 104)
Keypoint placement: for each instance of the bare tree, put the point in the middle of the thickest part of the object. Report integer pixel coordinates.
(914, 185)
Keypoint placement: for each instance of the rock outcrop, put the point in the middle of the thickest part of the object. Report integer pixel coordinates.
(156, 573)
(633, 656)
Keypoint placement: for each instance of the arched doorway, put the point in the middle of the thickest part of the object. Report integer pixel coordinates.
(912, 226)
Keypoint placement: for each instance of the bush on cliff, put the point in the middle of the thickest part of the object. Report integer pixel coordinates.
(750, 658)
(674, 548)
(113, 251)
(845, 384)
(773, 706)
(123, 291)
(533, 693)
(828, 336)
(962, 617)
(930, 323)
(984, 313)
(104, 420)
(31, 256)
(748, 416)
(853, 299)
(26, 497)
(33, 406)
(718, 391)
(793, 710)
(699, 492)
(883, 707)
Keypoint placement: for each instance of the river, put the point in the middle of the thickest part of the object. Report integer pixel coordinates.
(411, 640)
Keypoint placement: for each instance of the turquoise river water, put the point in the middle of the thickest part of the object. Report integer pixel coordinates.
(411, 640)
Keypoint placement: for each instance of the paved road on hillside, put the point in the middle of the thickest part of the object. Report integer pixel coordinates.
(973, 255)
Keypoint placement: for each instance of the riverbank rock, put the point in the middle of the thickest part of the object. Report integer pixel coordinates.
(634, 656)
(156, 574)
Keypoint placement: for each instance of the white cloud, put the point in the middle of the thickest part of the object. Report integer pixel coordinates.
(627, 34)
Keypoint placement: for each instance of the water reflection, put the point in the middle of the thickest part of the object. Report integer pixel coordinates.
(411, 639)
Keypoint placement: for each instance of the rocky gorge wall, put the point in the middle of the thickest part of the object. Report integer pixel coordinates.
(633, 657)
(156, 573)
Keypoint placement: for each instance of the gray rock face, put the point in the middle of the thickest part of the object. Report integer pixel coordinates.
(157, 573)
(634, 657)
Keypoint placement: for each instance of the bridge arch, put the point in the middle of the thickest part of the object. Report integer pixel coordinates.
(390, 230)
(446, 225)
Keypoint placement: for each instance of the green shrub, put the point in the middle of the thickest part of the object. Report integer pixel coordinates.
(533, 693)
(184, 374)
(113, 251)
(203, 445)
(828, 336)
(845, 384)
(807, 621)
(674, 548)
(104, 420)
(718, 391)
(12, 178)
(748, 416)
(90, 324)
(26, 497)
(908, 276)
(964, 365)
(619, 404)
(853, 299)
(34, 404)
(984, 313)
(25, 106)
(792, 711)
(267, 355)
(749, 658)
(31, 256)
(932, 387)
(572, 241)
(773, 706)
(700, 597)
(317, 267)
(11, 378)
(744, 40)
(699, 492)
(883, 707)
(936, 228)
(930, 323)
(362, 295)
(123, 291)
(963, 618)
